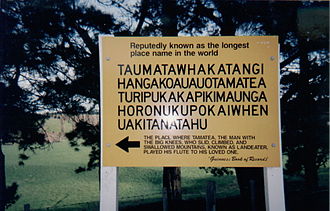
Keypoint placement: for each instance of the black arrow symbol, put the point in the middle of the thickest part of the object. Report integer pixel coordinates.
(125, 144)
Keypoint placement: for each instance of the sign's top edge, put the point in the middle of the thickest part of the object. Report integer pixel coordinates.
(112, 36)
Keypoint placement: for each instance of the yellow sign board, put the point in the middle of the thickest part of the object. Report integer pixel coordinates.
(190, 101)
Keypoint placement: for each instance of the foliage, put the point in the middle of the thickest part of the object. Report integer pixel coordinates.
(307, 140)
(50, 64)
(11, 195)
(19, 121)
(218, 171)
(89, 133)
(55, 52)
(50, 49)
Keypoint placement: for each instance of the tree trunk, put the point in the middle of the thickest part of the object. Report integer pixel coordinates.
(2, 156)
(2, 179)
(171, 175)
(311, 176)
(251, 185)
(245, 176)
(172, 188)
(143, 15)
(310, 150)
(169, 18)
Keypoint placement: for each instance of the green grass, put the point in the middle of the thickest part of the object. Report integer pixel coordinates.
(48, 179)
(145, 184)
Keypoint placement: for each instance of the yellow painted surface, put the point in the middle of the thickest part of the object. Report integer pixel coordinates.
(190, 101)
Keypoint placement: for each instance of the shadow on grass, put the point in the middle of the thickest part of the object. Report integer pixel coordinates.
(191, 205)
(295, 201)
(318, 201)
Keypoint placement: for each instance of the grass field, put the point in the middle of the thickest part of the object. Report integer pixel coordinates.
(48, 180)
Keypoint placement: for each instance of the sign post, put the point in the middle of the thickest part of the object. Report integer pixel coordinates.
(190, 101)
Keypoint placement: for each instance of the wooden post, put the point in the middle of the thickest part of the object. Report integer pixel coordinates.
(210, 196)
(165, 199)
(172, 189)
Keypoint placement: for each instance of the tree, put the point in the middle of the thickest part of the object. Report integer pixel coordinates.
(309, 133)
(50, 49)
(56, 57)
(171, 175)
(305, 102)
(19, 121)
